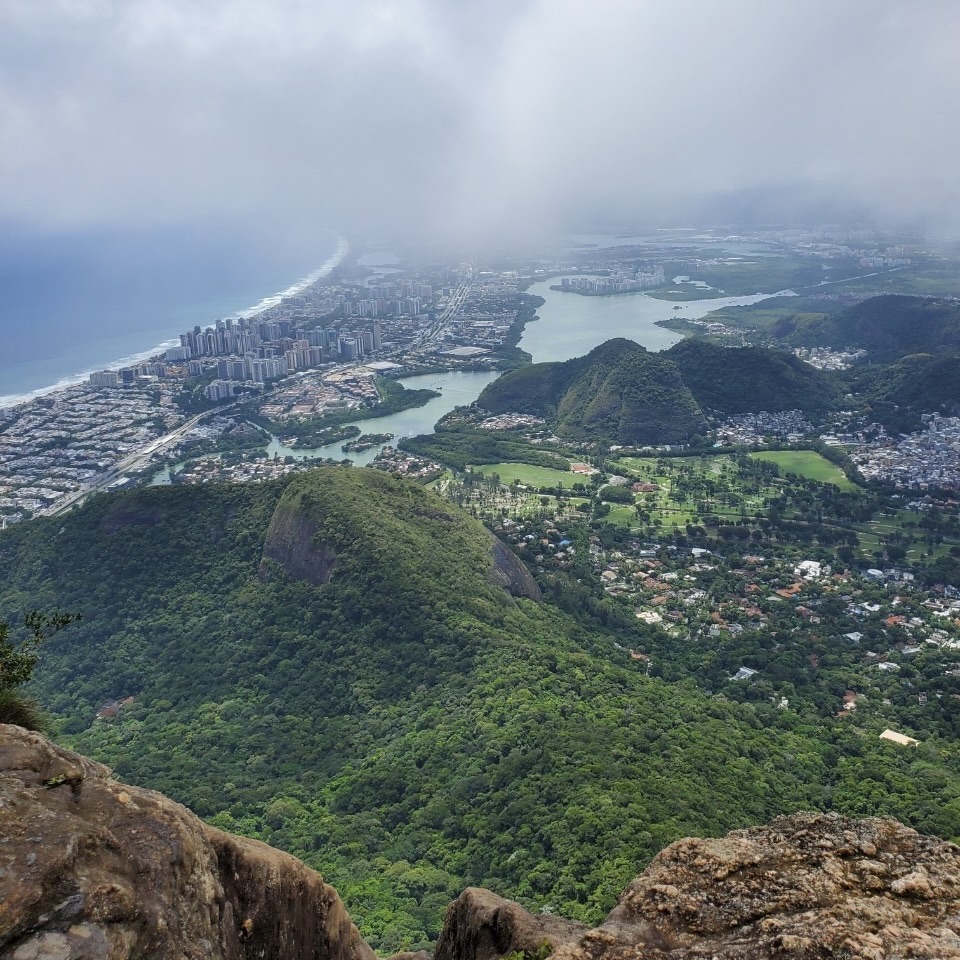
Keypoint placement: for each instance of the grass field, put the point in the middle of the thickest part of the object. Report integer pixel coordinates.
(622, 514)
(712, 490)
(528, 475)
(807, 464)
(871, 536)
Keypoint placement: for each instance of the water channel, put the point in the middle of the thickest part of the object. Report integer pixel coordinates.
(570, 325)
(456, 388)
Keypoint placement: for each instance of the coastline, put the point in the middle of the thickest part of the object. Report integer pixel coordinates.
(331, 263)
(64, 383)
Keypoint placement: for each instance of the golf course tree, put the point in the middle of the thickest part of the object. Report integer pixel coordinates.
(17, 660)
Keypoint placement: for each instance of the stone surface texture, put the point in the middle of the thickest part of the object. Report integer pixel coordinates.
(91, 869)
(804, 886)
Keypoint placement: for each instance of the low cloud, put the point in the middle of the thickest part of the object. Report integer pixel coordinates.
(428, 120)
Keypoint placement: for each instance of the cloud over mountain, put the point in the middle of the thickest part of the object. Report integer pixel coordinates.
(429, 118)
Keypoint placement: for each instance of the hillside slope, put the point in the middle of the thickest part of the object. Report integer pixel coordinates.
(621, 393)
(888, 328)
(745, 380)
(334, 665)
(922, 382)
(617, 393)
(95, 868)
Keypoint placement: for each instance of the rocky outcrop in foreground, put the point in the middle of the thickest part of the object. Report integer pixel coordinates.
(805, 886)
(94, 870)
(91, 869)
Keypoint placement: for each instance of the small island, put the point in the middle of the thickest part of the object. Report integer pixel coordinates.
(366, 441)
(308, 434)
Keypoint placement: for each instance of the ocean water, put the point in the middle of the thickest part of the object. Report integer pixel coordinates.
(73, 303)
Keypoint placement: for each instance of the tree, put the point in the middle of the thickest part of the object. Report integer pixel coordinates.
(17, 663)
(896, 552)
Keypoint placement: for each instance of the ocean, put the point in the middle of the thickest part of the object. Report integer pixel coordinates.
(78, 302)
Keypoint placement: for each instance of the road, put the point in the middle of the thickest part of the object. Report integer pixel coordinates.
(138, 458)
(131, 462)
(450, 311)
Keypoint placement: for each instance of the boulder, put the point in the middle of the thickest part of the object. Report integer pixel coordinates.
(804, 886)
(92, 869)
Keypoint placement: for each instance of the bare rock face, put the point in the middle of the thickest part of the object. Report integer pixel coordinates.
(510, 572)
(805, 886)
(290, 541)
(479, 925)
(91, 869)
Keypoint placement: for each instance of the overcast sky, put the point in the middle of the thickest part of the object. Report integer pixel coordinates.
(474, 118)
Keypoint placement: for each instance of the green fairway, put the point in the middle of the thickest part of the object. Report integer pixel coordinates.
(528, 475)
(622, 514)
(808, 464)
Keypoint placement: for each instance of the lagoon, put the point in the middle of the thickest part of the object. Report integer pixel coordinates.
(457, 388)
(571, 324)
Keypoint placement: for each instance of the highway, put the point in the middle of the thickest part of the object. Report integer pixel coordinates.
(456, 302)
(132, 461)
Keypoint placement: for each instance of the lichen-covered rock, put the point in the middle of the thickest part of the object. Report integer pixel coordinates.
(804, 886)
(91, 869)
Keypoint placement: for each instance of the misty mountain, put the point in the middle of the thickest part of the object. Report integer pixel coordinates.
(888, 328)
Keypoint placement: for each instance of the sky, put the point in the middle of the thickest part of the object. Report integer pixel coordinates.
(477, 121)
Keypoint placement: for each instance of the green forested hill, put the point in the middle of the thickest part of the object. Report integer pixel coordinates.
(922, 382)
(617, 393)
(332, 663)
(888, 327)
(743, 380)
(621, 393)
